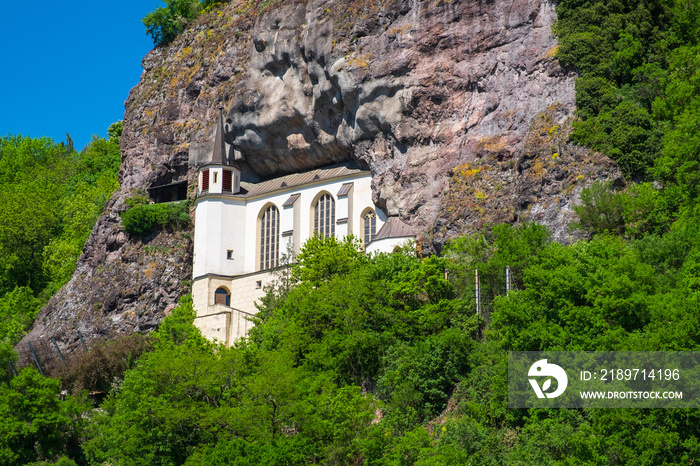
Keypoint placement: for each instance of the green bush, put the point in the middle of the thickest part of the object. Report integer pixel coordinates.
(639, 210)
(165, 23)
(142, 219)
(104, 364)
(35, 423)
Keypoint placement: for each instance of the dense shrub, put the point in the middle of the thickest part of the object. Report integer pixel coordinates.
(18, 309)
(104, 364)
(637, 64)
(142, 218)
(381, 362)
(639, 210)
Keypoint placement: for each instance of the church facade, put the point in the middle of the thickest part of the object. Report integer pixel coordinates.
(242, 229)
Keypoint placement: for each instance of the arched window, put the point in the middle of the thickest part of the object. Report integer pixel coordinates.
(269, 238)
(369, 222)
(222, 296)
(324, 216)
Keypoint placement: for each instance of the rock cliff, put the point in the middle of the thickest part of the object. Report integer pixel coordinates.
(458, 108)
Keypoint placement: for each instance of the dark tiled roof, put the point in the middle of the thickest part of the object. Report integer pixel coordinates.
(300, 179)
(393, 228)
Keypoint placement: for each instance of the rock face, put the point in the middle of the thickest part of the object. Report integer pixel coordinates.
(458, 108)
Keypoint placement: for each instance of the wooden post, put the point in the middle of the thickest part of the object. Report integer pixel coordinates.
(507, 280)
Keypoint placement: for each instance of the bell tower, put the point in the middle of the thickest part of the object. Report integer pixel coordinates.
(219, 227)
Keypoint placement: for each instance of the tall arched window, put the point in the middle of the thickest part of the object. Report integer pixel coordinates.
(269, 238)
(369, 221)
(324, 216)
(222, 296)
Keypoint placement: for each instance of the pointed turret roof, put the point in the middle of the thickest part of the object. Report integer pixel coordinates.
(219, 153)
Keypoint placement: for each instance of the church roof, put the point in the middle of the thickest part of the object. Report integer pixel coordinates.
(300, 179)
(219, 153)
(393, 228)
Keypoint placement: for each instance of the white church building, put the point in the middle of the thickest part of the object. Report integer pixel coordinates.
(242, 229)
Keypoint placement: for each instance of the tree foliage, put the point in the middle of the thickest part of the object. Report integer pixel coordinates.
(50, 198)
(383, 360)
(637, 64)
(35, 424)
(165, 23)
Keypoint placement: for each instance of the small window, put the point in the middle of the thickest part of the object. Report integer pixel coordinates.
(258, 284)
(215, 177)
(229, 254)
(324, 216)
(221, 296)
(369, 220)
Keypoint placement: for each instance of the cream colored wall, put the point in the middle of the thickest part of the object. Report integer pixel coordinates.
(215, 326)
(226, 326)
(200, 295)
(245, 291)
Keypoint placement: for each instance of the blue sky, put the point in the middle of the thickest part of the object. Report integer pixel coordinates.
(68, 66)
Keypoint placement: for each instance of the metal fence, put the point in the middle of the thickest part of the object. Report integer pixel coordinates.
(46, 355)
(481, 288)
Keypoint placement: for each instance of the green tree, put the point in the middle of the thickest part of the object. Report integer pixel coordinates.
(32, 183)
(114, 132)
(35, 424)
(18, 310)
(638, 210)
(321, 259)
(50, 198)
(165, 23)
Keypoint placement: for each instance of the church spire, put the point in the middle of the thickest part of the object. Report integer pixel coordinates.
(219, 155)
